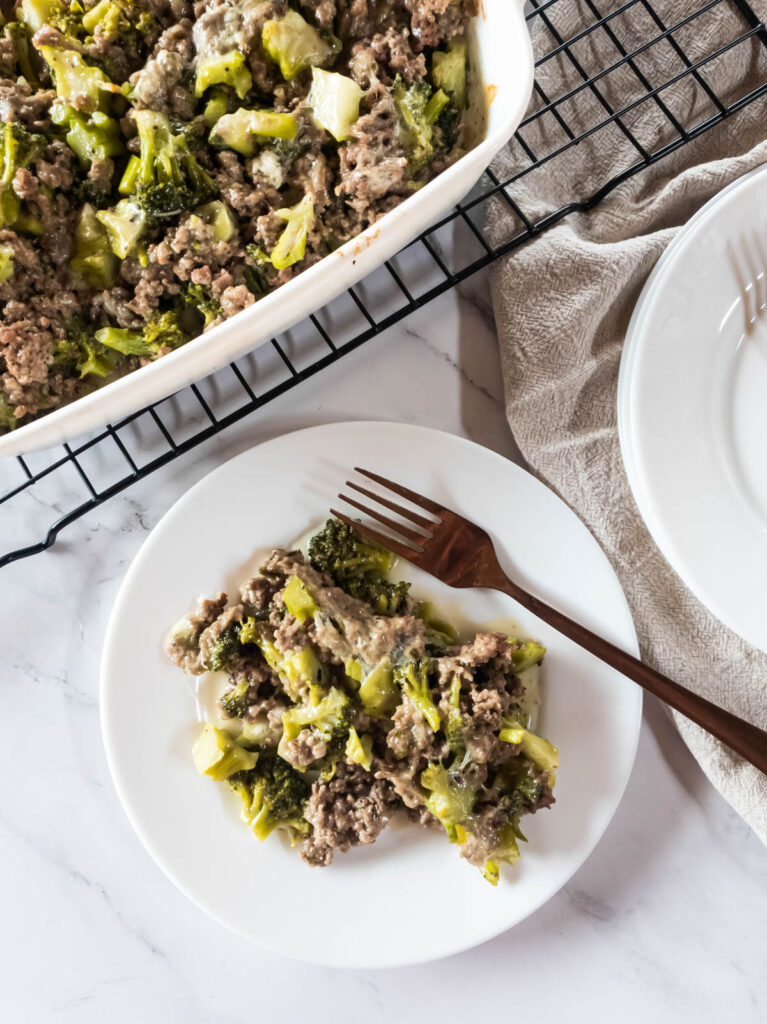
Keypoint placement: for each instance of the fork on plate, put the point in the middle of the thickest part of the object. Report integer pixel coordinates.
(461, 554)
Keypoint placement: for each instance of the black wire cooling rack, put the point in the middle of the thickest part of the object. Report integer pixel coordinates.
(573, 106)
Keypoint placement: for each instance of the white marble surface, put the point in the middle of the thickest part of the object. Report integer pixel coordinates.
(666, 922)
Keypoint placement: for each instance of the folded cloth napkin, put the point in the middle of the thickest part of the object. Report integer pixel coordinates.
(563, 302)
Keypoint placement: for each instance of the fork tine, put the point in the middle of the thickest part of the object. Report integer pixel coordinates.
(416, 538)
(404, 492)
(422, 521)
(386, 542)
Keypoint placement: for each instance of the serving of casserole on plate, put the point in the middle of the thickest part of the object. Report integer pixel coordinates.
(170, 171)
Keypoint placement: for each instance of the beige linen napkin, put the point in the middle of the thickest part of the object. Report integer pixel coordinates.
(562, 305)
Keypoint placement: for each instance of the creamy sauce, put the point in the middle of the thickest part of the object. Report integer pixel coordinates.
(209, 687)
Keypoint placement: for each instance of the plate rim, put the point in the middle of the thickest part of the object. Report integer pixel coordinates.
(626, 376)
(151, 848)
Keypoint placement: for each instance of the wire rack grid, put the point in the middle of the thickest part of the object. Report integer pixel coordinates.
(594, 86)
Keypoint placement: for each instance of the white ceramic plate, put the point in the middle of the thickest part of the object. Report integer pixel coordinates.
(269, 496)
(504, 77)
(692, 406)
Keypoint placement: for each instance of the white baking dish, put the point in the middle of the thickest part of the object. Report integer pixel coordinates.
(505, 68)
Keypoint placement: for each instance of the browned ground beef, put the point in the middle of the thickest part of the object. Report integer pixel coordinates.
(473, 689)
(51, 307)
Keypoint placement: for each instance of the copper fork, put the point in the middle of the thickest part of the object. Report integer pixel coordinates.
(461, 554)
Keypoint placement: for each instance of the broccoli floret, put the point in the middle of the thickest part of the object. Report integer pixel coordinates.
(19, 148)
(297, 599)
(119, 20)
(93, 258)
(243, 130)
(6, 262)
(163, 331)
(454, 726)
(198, 298)
(7, 419)
(36, 13)
(79, 351)
(330, 719)
(19, 35)
(273, 796)
(526, 654)
(219, 755)
(225, 648)
(450, 797)
(358, 567)
(506, 851)
(335, 102)
(542, 753)
(378, 691)
(125, 225)
(448, 71)
(92, 137)
(419, 110)
(294, 44)
(168, 179)
(414, 678)
(235, 701)
(521, 782)
(359, 749)
(224, 69)
(78, 84)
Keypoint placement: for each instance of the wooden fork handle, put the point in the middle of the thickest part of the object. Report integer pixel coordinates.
(742, 737)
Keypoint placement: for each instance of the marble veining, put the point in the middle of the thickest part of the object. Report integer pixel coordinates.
(667, 920)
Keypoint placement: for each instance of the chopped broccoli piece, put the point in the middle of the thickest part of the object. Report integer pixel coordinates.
(125, 226)
(36, 13)
(235, 701)
(7, 419)
(448, 71)
(378, 691)
(216, 106)
(93, 136)
(18, 148)
(219, 217)
(244, 129)
(294, 44)
(218, 755)
(273, 797)
(198, 298)
(329, 718)
(298, 669)
(225, 647)
(6, 262)
(542, 753)
(163, 331)
(522, 782)
(507, 850)
(450, 798)
(454, 726)
(418, 109)
(93, 259)
(413, 678)
(357, 566)
(79, 351)
(118, 20)
(529, 653)
(77, 83)
(298, 601)
(335, 102)
(19, 35)
(129, 181)
(224, 69)
(291, 245)
(359, 749)
(169, 180)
